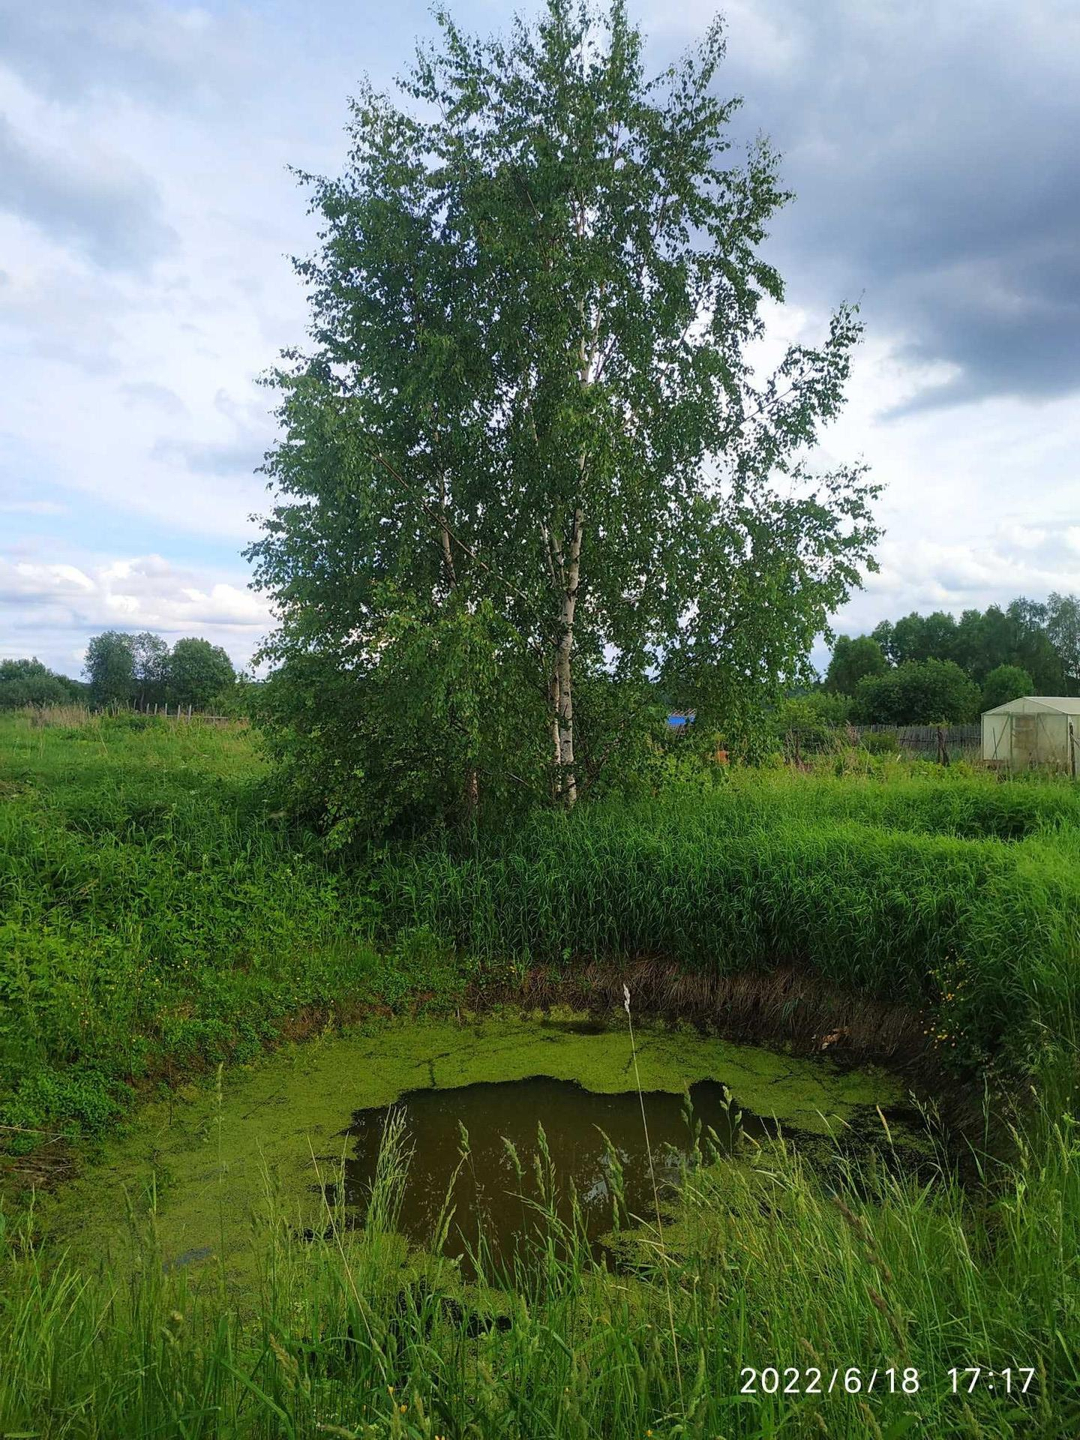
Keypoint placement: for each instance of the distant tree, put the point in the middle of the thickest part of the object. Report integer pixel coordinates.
(1007, 682)
(110, 667)
(198, 673)
(907, 639)
(851, 660)
(885, 635)
(1029, 614)
(29, 682)
(1043, 639)
(1033, 649)
(926, 692)
(924, 637)
(938, 640)
(1063, 632)
(997, 636)
(150, 667)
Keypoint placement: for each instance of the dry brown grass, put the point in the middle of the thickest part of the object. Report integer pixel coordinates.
(40, 716)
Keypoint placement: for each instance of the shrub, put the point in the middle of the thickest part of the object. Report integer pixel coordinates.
(879, 742)
(924, 692)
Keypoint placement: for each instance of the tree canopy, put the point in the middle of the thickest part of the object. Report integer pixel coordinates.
(851, 660)
(1007, 682)
(110, 667)
(123, 667)
(1035, 637)
(196, 673)
(530, 479)
(917, 692)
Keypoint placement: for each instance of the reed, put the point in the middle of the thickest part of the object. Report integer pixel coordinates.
(159, 917)
(769, 1265)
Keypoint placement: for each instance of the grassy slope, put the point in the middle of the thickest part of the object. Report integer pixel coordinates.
(155, 916)
(151, 917)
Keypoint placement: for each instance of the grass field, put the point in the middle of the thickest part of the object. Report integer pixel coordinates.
(159, 916)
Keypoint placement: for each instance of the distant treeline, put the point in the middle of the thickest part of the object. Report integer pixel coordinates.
(29, 682)
(930, 669)
(127, 669)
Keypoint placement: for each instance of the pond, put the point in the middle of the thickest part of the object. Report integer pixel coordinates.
(195, 1167)
(497, 1156)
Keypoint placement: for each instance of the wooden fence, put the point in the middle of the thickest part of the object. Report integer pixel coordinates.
(929, 742)
(181, 712)
(918, 739)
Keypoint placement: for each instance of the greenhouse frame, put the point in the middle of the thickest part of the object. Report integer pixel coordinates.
(1033, 731)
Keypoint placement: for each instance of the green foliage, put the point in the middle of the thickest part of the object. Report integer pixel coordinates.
(529, 427)
(814, 719)
(157, 915)
(926, 692)
(153, 917)
(894, 912)
(196, 673)
(29, 682)
(110, 667)
(1041, 639)
(419, 735)
(851, 660)
(124, 667)
(1007, 682)
(1062, 622)
(150, 668)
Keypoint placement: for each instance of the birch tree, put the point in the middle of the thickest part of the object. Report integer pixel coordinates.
(529, 478)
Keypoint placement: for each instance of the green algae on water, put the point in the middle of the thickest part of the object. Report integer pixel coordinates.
(266, 1139)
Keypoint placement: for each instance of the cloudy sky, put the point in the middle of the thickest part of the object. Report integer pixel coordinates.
(147, 216)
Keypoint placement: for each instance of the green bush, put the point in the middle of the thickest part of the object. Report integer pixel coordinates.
(923, 692)
(879, 742)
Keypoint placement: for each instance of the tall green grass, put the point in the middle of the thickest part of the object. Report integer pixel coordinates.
(153, 917)
(980, 934)
(158, 914)
(918, 796)
(768, 1265)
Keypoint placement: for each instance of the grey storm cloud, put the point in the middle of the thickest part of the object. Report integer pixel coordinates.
(69, 48)
(110, 211)
(932, 149)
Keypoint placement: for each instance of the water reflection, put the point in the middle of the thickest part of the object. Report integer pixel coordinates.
(500, 1184)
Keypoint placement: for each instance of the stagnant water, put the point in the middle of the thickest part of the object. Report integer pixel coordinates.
(586, 1135)
(272, 1137)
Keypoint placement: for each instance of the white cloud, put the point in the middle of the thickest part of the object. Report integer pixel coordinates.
(31, 507)
(64, 601)
(131, 386)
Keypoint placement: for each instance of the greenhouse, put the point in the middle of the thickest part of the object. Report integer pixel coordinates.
(1035, 730)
